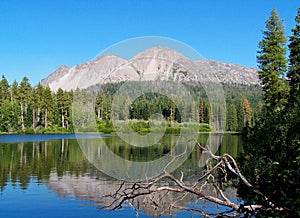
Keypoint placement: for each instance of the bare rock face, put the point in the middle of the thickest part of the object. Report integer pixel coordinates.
(56, 75)
(160, 63)
(230, 73)
(157, 63)
(83, 75)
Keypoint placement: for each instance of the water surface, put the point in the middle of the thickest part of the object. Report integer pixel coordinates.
(49, 176)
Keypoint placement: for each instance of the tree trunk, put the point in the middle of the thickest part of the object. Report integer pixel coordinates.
(46, 118)
(66, 120)
(38, 115)
(22, 116)
(62, 119)
(33, 118)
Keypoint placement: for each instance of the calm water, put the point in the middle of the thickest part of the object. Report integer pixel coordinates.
(49, 176)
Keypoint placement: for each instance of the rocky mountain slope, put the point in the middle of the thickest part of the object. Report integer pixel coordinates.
(157, 63)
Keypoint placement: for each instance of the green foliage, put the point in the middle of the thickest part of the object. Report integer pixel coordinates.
(145, 127)
(240, 113)
(294, 59)
(150, 103)
(272, 62)
(173, 130)
(205, 127)
(53, 130)
(271, 159)
(4, 89)
(24, 99)
(232, 123)
(23, 107)
(64, 101)
(9, 113)
(29, 130)
(105, 126)
(140, 126)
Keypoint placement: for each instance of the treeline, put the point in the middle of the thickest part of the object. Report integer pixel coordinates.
(239, 110)
(27, 109)
(243, 105)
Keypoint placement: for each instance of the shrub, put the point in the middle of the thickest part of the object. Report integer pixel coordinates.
(205, 127)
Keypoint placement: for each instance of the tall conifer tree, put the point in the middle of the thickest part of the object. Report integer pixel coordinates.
(272, 62)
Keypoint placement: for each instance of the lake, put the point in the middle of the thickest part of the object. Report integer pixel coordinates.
(50, 176)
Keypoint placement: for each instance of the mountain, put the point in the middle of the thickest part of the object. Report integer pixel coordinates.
(157, 63)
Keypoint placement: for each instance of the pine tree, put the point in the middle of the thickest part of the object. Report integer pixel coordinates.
(231, 116)
(294, 60)
(107, 108)
(47, 106)
(24, 100)
(14, 91)
(62, 103)
(272, 62)
(9, 114)
(4, 89)
(257, 113)
(240, 113)
(291, 171)
(207, 112)
(37, 94)
(201, 112)
(100, 99)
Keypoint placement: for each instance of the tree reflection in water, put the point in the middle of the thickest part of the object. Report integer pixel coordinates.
(61, 165)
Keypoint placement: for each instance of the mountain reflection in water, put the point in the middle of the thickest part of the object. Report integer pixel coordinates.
(61, 166)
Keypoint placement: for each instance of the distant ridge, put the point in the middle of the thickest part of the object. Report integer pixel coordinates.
(157, 63)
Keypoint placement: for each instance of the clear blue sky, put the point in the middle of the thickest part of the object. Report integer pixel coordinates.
(36, 37)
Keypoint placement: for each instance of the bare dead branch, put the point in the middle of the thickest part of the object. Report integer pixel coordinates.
(154, 192)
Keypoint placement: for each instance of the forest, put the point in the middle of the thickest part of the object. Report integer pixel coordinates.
(36, 109)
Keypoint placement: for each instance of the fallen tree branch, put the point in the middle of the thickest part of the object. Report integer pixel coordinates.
(154, 192)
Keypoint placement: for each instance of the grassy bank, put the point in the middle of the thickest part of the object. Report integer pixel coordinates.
(108, 127)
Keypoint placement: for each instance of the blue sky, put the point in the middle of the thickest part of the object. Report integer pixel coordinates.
(36, 37)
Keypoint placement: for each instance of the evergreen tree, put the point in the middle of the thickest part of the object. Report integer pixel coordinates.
(140, 108)
(207, 112)
(14, 91)
(272, 62)
(47, 106)
(9, 114)
(4, 89)
(60, 98)
(62, 103)
(107, 108)
(231, 117)
(24, 100)
(100, 99)
(257, 112)
(240, 113)
(37, 94)
(294, 60)
(201, 112)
